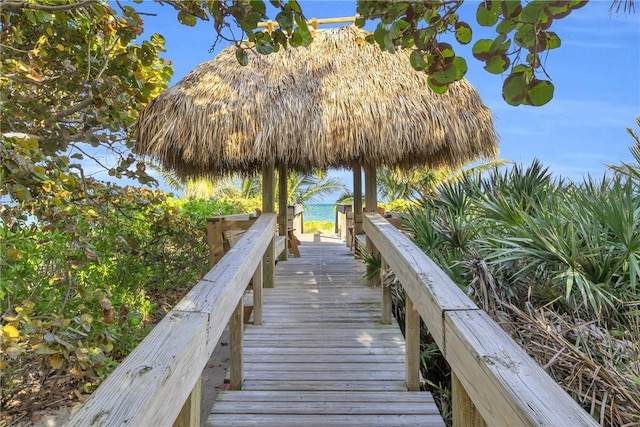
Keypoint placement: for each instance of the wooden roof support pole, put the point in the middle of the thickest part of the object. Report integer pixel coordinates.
(268, 261)
(371, 205)
(357, 197)
(283, 203)
(370, 188)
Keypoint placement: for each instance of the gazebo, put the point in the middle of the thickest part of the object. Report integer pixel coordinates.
(340, 103)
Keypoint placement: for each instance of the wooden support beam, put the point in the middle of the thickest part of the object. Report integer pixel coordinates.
(268, 261)
(371, 205)
(190, 414)
(465, 412)
(215, 240)
(283, 203)
(412, 338)
(386, 294)
(257, 295)
(370, 188)
(357, 197)
(236, 326)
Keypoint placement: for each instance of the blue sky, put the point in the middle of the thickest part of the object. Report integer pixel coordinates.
(596, 73)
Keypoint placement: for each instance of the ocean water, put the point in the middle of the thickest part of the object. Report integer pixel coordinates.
(320, 212)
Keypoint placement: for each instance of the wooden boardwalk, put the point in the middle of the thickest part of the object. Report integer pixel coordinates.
(322, 356)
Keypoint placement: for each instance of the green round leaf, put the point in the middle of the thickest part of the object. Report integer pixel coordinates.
(515, 88)
(552, 40)
(463, 33)
(506, 26)
(501, 44)
(577, 4)
(446, 50)
(461, 67)
(398, 28)
(186, 18)
(437, 86)
(532, 12)
(423, 38)
(486, 17)
(481, 49)
(446, 76)
(533, 59)
(417, 60)
(294, 6)
(540, 92)
(285, 19)
(380, 34)
(526, 36)
(296, 39)
(498, 64)
(511, 8)
(264, 47)
(241, 56)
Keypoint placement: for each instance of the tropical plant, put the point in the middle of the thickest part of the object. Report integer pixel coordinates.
(630, 170)
(76, 287)
(305, 189)
(557, 263)
(302, 188)
(523, 35)
(542, 239)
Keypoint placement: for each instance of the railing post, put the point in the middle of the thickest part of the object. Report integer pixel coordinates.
(215, 240)
(257, 295)
(465, 412)
(269, 265)
(190, 414)
(412, 339)
(236, 325)
(386, 294)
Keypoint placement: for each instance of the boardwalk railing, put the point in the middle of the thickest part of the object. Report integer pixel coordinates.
(494, 381)
(159, 382)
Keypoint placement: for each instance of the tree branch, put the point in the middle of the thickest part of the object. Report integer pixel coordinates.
(46, 8)
(73, 109)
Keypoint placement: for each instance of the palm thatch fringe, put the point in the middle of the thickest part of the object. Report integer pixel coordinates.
(328, 105)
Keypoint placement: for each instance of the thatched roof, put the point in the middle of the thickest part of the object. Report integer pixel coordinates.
(339, 100)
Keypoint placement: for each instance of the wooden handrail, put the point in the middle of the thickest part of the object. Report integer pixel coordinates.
(502, 381)
(152, 384)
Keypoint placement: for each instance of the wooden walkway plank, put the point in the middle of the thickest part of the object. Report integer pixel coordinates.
(322, 355)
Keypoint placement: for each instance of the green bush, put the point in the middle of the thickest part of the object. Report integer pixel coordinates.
(576, 247)
(318, 227)
(201, 209)
(398, 205)
(76, 280)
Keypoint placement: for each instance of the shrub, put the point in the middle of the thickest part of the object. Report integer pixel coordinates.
(77, 280)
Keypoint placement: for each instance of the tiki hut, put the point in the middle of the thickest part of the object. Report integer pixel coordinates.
(341, 102)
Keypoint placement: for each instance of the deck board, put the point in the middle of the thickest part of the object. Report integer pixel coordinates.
(322, 355)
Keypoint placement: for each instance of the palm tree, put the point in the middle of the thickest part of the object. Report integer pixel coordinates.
(305, 189)
(422, 182)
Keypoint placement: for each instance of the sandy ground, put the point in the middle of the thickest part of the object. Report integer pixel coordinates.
(212, 381)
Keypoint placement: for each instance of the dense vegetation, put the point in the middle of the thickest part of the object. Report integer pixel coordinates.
(82, 285)
(557, 264)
